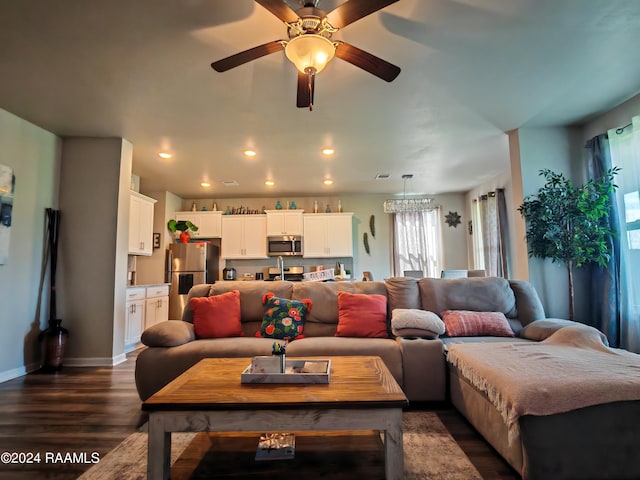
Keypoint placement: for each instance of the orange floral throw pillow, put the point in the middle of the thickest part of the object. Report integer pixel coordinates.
(217, 316)
(283, 318)
(464, 323)
(361, 315)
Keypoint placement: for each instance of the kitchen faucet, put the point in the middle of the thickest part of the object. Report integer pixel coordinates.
(280, 265)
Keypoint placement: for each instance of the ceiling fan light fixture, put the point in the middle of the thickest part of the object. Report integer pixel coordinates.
(310, 52)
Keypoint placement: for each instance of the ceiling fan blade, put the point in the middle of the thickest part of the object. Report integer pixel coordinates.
(370, 63)
(306, 87)
(246, 56)
(280, 10)
(353, 10)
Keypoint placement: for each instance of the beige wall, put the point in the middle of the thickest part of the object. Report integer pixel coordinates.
(94, 199)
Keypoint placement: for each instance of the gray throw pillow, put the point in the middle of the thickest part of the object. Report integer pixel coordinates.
(413, 322)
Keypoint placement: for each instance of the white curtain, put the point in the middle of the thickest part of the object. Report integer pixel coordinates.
(417, 242)
(478, 245)
(624, 144)
(490, 234)
(491, 243)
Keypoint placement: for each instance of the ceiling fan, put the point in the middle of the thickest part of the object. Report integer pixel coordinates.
(310, 47)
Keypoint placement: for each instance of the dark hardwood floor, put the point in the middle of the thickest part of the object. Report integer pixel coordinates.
(85, 410)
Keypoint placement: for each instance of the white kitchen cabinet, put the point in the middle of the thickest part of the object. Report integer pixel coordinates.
(328, 235)
(209, 223)
(156, 305)
(284, 222)
(135, 316)
(244, 236)
(140, 224)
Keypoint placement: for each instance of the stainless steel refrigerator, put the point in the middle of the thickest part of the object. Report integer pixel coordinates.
(189, 264)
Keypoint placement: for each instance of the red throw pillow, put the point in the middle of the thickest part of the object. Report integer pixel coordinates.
(361, 315)
(464, 323)
(217, 316)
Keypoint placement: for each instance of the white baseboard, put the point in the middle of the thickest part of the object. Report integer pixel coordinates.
(18, 372)
(94, 361)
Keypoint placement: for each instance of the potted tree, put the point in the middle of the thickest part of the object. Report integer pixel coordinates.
(569, 224)
(182, 226)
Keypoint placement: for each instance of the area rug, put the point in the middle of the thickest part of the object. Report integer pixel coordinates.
(429, 453)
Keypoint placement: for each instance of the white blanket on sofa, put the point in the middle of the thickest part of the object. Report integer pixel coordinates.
(571, 369)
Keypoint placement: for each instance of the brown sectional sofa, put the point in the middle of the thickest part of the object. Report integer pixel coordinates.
(418, 364)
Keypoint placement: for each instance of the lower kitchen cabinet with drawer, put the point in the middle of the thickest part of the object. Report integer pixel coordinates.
(146, 306)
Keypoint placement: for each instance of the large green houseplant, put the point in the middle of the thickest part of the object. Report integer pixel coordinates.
(569, 224)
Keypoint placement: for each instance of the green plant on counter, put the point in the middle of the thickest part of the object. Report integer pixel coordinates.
(181, 226)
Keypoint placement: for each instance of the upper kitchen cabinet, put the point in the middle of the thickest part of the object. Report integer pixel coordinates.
(209, 223)
(328, 235)
(244, 236)
(140, 224)
(284, 222)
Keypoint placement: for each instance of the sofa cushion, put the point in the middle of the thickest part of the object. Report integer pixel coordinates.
(168, 334)
(542, 329)
(361, 315)
(402, 292)
(411, 322)
(483, 294)
(251, 309)
(217, 316)
(324, 296)
(463, 323)
(283, 318)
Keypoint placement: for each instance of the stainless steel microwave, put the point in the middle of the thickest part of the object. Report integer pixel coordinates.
(285, 245)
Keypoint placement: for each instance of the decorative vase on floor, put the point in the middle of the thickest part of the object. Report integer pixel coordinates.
(55, 341)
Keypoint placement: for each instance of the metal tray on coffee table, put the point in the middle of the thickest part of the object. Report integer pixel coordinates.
(300, 371)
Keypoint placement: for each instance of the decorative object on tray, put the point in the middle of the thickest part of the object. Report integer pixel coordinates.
(279, 352)
(276, 446)
(452, 219)
(266, 369)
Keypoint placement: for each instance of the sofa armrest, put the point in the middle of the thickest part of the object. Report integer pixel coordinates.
(541, 329)
(168, 334)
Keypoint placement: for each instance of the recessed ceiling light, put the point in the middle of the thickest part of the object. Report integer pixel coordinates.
(249, 153)
(205, 184)
(328, 181)
(328, 151)
(164, 155)
(269, 183)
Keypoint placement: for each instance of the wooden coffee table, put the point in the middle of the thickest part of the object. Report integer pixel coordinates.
(362, 395)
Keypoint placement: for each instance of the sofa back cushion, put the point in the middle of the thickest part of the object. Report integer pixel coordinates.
(323, 318)
(488, 294)
(403, 292)
(251, 293)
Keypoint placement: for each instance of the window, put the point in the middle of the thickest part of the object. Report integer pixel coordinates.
(417, 242)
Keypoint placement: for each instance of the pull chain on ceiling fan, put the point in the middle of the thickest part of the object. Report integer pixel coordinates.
(310, 47)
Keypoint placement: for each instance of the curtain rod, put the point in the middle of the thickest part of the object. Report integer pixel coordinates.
(621, 129)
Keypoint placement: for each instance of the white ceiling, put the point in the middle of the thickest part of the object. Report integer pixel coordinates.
(471, 70)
